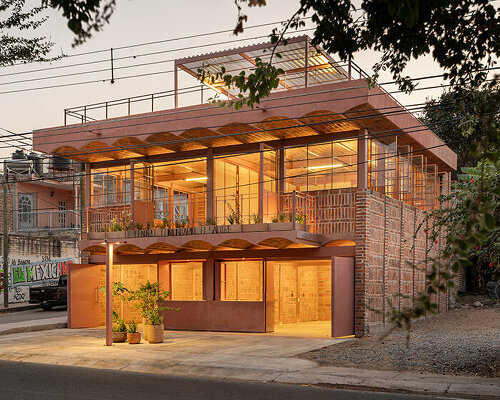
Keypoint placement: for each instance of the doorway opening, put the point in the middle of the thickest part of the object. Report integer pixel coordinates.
(302, 297)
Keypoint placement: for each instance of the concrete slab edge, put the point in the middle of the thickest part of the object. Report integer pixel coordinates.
(22, 308)
(34, 328)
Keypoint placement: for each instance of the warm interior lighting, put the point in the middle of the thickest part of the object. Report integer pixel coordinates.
(201, 178)
(327, 166)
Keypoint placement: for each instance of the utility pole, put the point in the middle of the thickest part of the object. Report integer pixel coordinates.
(5, 244)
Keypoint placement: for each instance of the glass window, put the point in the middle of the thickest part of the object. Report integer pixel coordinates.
(187, 281)
(242, 280)
(323, 166)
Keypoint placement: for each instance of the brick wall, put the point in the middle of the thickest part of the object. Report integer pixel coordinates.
(385, 247)
(336, 210)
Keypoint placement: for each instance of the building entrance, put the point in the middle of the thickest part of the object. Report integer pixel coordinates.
(303, 297)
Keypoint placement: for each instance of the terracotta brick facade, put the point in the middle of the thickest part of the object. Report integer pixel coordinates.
(386, 252)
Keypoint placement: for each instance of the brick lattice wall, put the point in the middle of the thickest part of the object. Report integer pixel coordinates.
(336, 210)
(386, 252)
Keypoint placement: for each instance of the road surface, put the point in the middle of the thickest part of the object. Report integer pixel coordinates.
(23, 381)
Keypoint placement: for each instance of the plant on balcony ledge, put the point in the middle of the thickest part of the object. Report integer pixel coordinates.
(234, 218)
(256, 226)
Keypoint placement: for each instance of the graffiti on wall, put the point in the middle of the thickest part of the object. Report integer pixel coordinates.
(26, 273)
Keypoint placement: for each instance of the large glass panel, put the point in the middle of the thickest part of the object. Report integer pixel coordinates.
(323, 166)
(187, 281)
(242, 280)
(180, 192)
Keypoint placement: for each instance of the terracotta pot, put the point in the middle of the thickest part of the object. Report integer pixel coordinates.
(144, 329)
(155, 333)
(119, 337)
(260, 227)
(134, 338)
(281, 226)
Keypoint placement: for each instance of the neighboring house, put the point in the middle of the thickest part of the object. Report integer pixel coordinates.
(43, 220)
(298, 215)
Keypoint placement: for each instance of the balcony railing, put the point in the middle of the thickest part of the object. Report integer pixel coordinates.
(296, 207)
(48, 221)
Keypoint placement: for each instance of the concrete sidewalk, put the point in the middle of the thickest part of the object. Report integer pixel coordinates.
(13, 307)
(33, 325)
(230, 356)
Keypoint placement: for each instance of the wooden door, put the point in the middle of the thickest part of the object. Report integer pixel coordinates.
(83, 296)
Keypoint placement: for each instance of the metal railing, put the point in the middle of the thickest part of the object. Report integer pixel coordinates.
(295, 207)
(48, 221)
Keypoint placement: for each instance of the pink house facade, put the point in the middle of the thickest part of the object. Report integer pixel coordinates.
(299, 214)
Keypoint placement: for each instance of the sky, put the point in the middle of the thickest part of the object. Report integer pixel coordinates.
(144, 21)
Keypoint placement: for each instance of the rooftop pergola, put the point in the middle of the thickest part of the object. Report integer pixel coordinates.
(304, 65)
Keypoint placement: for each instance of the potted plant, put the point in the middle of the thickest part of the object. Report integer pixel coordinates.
(257, 225)
(282, 222)
(115, 230)
(119, 331)
(149, 299)
(234, 218)
(133, 337)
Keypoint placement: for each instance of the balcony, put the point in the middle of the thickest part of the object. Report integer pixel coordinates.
(48, 221)
(186, 216)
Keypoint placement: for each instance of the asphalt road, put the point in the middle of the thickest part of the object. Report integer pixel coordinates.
(23, 381)
(29, 315)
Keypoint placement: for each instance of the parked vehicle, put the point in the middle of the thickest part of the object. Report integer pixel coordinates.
(50, 295)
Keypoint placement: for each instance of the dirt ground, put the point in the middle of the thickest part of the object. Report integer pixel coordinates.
(463, 341)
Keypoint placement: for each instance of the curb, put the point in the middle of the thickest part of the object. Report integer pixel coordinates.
(21, 308)
(35, 328)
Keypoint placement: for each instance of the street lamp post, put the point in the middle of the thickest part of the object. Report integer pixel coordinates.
(109, 291)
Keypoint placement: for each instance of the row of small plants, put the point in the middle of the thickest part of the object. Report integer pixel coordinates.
(233, 218)
(148, 299)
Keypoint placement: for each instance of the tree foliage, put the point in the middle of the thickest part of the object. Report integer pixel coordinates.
(85, 17)
(461, 36)
(450, 117)
(15, 20)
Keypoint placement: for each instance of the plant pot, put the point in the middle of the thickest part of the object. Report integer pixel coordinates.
(119, 337)
(144, 329)
(302, 227)
(155, 333)
(281, 226)
(96, 235)
(261, 227)
(235, 228)
(134, 338)
(115, 235)
(130, 234)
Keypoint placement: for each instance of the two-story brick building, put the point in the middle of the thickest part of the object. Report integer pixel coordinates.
(298, 214)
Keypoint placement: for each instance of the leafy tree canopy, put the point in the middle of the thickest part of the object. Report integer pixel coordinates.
(15, 20)
(450, 118)
(461, 36)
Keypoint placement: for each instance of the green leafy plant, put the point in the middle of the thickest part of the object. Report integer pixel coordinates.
(132, 327)
(210, 222)
(300, 218)
(234, 216)
(139, 226)
(118, 290)
(275, 220)
(149, 299)
(182, 222)
(119, 325)
(256, 218)
(114, 226)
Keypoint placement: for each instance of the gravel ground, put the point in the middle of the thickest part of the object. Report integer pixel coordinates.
(458, 342)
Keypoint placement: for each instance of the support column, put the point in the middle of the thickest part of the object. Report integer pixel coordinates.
(210, 184)
(306, 62)
(176, 99)
(209, 279)
(88, 195)
(109, 294)
(132, 192)
(362, 166)
(261, 181)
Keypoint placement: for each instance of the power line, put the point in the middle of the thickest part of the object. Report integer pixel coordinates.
(395, 111)
(151, 43)
(211, 107)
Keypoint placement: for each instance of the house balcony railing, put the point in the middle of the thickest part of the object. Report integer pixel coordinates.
(56, 220)
(295, 208)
